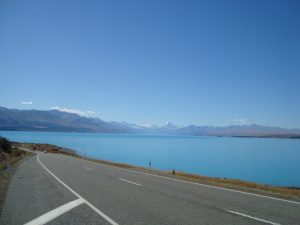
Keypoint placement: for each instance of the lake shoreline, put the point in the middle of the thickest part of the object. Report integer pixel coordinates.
(275, 136)
(289, 193)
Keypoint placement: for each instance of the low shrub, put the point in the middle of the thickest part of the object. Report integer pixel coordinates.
(5, 145)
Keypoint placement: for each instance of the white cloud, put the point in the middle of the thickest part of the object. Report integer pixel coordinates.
(240, 120)
(91, 112)
(76, 111)
(146, 125)
(27, 102)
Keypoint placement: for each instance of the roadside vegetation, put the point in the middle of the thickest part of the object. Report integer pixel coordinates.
(46, 147)
(292, 193)
(9, 157)
(9, 154)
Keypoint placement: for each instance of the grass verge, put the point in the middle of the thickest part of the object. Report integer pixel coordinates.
(8, 163)
(290, 193)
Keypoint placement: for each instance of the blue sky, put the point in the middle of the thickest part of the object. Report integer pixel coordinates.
(149, 62)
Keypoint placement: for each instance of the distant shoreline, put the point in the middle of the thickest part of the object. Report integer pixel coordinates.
(279, 136)
(269, 136)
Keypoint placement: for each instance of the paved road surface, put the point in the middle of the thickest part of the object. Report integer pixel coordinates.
(57, 189)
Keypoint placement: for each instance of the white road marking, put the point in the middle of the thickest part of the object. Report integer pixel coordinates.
(71, 163)
(87, 168)
(130, 182)
(203, 185)
(47, 217)
(252, 217)
(111, 221)
(194, 183)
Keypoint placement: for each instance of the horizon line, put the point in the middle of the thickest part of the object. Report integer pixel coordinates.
(150, 125)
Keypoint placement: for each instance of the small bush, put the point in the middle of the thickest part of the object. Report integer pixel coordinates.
(5, 145)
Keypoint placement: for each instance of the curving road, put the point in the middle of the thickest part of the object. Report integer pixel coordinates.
(58, 189)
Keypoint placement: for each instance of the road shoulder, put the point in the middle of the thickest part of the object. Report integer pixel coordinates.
(7, 173)
(32, 192)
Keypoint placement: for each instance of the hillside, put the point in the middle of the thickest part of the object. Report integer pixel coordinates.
(55, 120)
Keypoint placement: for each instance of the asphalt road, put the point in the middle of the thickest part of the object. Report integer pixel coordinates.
(57, 189)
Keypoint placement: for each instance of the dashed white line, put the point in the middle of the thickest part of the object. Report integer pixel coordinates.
(87, 168)
(252, 217)
(130, 182)
(45, 218)
(108, 219)
(199, 184)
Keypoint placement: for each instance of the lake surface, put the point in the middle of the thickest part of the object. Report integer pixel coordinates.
(263, 160)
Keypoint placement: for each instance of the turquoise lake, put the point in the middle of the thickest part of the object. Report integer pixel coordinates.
(263, 160)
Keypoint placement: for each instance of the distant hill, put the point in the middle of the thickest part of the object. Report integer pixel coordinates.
(55, 120)
(253, 130)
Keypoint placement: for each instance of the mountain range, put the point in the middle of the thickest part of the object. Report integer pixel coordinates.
(55, 120)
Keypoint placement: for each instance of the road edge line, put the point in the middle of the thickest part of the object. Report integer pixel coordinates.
(108, 219)
(252, 217)
(199, 184)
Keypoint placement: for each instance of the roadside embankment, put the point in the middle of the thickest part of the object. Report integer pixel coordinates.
(9, 158)
(292, 193)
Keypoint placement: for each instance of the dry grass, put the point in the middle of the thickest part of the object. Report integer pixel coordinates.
(282, 192)
(7, 167)
(45, 147)
(11, 159)
(242, 185)
(3, 165)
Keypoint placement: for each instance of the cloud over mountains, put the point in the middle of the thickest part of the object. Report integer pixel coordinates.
(72, 120)
(26, 102)
(76, 111)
